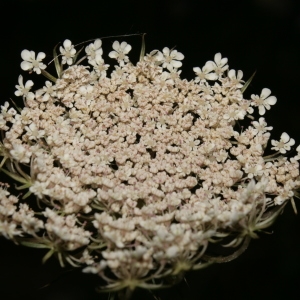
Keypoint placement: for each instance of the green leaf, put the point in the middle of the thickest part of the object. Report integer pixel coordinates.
(48, 255)
(34, 245)
(243, 89)
(19, 109)
(76, 55)
(48, 75)
(58, 66)
(26, 195)
(143, 49)
(15, 176)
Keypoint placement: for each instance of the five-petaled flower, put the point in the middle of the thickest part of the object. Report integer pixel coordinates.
(21, 89)
(120, 51)
(263, 101)
(206, 73)
(236, 78)
(68, 52)
(261, 126)
(220, 64)
(93, 50)
(170, 59)
(30, 62)
(284, 144)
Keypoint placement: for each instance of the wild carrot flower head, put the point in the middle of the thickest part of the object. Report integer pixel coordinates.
(136, 170)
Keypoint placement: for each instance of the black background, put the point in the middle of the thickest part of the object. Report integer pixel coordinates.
(257, 35)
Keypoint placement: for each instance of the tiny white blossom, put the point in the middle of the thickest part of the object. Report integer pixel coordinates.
(39, 189)
(284, 195)
(3, 123)
(47, 91)
(99, 66)
(236, 78)
(206, 73)
(9, 230)
(120, 51)
(169, 59)
(30, 62)
(34, 132)
(8, 113)
(253, 170)
(94, 49)
(68, 52)
(263, 101)
(20, 153)
(21, 89)
(261, 126)
(220, 64)
(284, 144)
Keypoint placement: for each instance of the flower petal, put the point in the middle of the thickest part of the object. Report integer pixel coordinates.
(40, 56)
(116, 46)
(208, 67)
(25, 65)
(20, 80)
(285, 137)
(265, 93)
(176, 64)
(166, 51)
(179, 56)
(28, 84)
(127, 49)
(232, 74)
(271, 100)
(261, 110)
(27, 55)
(211, 76)
(67, 44)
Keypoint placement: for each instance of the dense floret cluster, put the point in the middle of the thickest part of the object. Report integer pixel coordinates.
(136, 170)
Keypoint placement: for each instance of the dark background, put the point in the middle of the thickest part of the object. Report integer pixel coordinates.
(261, 35)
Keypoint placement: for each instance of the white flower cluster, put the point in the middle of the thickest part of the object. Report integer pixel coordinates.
(136, 172)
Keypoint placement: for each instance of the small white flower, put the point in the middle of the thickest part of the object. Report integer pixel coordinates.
(3, 123)
(68, 52)
(20, 153)
(46, 91)
(263, 101)
(39, 189)
(34, 132)
(99, 66)
(236, 78)
(253, 170)
(220, 64)
(284, 195)
(30, 62)
(205, 73)
(6, 113)
(261, 126)
(21, 89)
(120, 51)
(284, 144)
(94, 49)
(169, 59)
